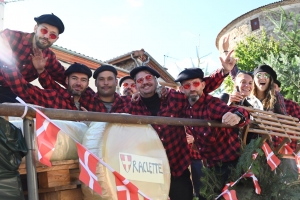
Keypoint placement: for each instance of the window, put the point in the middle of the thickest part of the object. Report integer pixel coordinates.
(254, 24)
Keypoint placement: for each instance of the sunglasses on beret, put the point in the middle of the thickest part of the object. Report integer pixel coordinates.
(188, 85)
(51, 35)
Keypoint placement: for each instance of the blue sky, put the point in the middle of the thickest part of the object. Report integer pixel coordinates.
(107, 29)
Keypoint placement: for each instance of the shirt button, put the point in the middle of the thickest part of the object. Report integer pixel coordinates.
(204, 134)
(158, 128)
(192, 127)
(190, 106)
(191, 117)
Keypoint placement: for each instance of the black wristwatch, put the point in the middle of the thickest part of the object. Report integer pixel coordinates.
(238, 113)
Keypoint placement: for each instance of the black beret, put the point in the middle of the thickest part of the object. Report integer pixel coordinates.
(52, 20)
(79, 68)
(123, 79)
(278, 83)
(143, 68)
(190, 73)
(103, 68)
(267, 69)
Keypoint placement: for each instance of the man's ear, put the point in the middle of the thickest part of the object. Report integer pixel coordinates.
(181, 88)
(35, 28)
(203, 84)
(67, 80)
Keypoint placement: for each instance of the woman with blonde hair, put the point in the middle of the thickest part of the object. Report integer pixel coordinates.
(264, 77)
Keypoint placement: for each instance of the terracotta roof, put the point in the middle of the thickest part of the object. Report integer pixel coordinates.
(152, 63)
(252, 12)
(70, 56)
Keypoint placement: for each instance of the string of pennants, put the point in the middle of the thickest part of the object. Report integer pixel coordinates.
(46, 135)
(272, 160)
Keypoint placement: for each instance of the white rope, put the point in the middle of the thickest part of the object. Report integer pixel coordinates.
(23, 103)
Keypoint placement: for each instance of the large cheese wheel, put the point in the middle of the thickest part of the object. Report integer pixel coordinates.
(135, 151)
(65, 147)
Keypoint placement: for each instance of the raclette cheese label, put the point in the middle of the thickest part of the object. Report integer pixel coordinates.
(141, 168)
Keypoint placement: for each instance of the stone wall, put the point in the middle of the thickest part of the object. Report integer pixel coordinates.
(242, 28)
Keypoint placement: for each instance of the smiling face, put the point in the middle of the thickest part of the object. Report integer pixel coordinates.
(146, 84)
(244, 83)
(77, 83)
(262, 81)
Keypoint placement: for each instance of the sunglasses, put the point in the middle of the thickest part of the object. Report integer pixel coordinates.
(51, 35)
(188, 85)
(149, 77)
(126, 85)
(260, 76)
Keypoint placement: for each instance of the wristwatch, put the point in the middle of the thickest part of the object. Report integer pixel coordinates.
(238, 113)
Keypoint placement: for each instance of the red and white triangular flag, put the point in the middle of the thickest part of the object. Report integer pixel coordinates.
(286, 149)
(229, 194)
(255, 181)
(272, 160)
(88, 163)
(125, 189)
(254, 156)
(46, 135)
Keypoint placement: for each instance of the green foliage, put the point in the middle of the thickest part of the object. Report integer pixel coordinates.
(287, 63)
(288, 71)
(229, 85)
(253, 48)
(281, 54)
(287, 30)
(271, 182)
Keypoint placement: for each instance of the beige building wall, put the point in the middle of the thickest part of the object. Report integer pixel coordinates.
(241, 27)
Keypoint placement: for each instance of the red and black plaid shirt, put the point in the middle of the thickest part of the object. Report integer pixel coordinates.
(95, 104)
(292, 109)
(215, 144)
(219, 77)
(89, 100)
(21, 45)
(173, 137)
(35, 95)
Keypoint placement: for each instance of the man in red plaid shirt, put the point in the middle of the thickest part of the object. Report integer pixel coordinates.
(292, 108)
(105, 100)
(46, 32)
(73, 98)
(172, 137)
(218, 147)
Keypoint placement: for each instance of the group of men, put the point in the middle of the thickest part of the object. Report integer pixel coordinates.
(218, 147)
